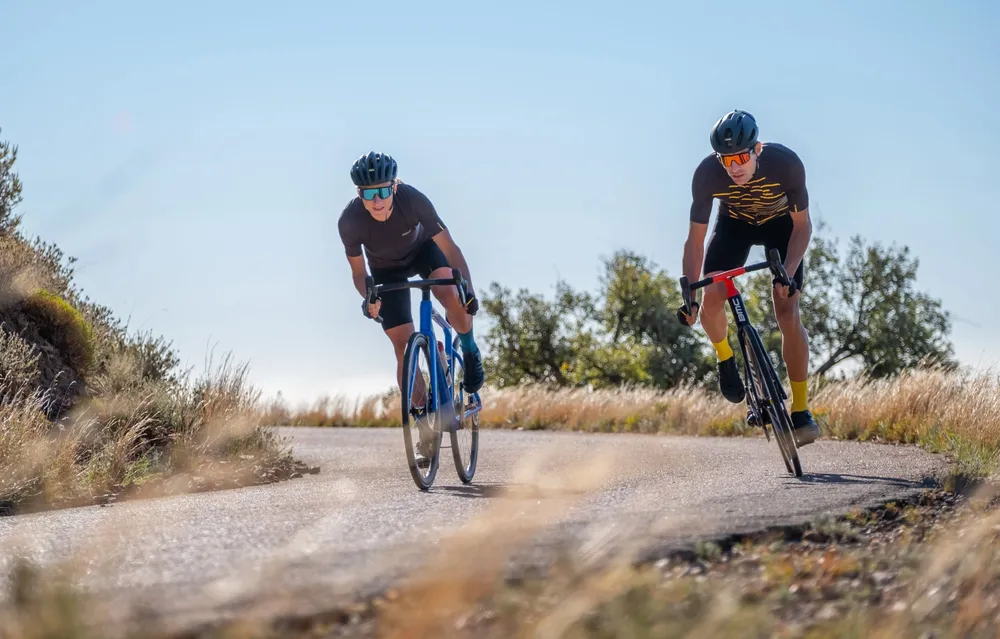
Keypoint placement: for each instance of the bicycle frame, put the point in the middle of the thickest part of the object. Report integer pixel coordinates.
(732, 293)
(749, 339)
(441, 392)
(734, 297)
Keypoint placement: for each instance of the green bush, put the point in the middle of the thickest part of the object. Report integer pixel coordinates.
(65, 328)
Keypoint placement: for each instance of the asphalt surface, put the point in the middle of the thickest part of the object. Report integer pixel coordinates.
(361, 521)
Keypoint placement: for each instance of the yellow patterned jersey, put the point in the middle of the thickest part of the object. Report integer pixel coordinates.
(777, 187)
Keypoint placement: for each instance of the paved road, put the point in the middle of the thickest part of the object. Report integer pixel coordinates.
(362, 521)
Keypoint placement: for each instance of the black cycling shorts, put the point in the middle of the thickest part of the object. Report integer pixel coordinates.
(732, 240)
(396, 307)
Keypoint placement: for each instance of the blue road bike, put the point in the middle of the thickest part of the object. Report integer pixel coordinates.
(433, 398)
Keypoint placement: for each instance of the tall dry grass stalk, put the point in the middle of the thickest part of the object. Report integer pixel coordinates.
(34, 460)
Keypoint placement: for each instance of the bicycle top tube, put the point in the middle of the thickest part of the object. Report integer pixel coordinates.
(772, 262)
(728, 275)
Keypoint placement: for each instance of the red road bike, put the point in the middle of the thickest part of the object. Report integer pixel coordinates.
(765, 394)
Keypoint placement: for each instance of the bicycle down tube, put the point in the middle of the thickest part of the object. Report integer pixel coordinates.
(450, 354)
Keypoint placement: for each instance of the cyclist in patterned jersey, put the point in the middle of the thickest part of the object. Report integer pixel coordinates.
(761, 188)
(403, 236)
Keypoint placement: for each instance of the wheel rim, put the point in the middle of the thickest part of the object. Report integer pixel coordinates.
(465, 436)
(785, 447)
(419, 422)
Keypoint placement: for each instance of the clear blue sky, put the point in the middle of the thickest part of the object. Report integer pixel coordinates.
(195, 156)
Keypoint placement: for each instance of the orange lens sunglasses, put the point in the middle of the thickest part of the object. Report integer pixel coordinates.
(735, 158)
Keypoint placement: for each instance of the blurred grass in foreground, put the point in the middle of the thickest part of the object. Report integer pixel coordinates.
(925, 568)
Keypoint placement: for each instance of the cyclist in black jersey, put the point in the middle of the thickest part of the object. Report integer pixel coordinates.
(403, 236)
(763, 200)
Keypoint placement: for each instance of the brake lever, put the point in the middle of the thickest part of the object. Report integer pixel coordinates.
(777, 268)
(686, 294)
(463, 293)
(371, 296)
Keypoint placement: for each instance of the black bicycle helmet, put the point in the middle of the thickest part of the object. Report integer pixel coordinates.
(373, 168)
(736, 131)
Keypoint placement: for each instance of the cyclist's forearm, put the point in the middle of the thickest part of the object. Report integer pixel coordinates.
(797, 245)
(359, 282)
(694, 254)
(457, 260)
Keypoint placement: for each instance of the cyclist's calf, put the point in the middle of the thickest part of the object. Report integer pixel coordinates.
(399, 335)
(794, 337)
(786, 312)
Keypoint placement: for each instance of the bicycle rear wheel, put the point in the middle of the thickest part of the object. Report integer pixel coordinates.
(420, 424)
(465, 434)
(771, 398)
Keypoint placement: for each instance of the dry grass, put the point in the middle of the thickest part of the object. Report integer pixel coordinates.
(944, 412)
(337, 411)
(88, 411)
(951, 412)
(134, 435)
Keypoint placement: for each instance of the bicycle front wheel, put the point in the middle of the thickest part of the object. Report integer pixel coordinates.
(465, 434)
(772, 398)
(421, 431)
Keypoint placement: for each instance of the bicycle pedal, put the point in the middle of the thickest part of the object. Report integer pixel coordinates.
(757, 420)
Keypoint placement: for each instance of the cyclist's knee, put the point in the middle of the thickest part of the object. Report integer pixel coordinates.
(399, 336)
(786, 312)
(447, 294)
(714, 299)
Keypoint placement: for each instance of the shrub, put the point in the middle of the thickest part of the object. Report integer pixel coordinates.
(64, 327)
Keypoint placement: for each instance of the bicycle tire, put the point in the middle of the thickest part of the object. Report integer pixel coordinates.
(417, 344)
(774, 401)
(465, 472)
(756, 404)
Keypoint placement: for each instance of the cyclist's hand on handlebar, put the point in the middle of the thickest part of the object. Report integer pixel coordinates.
(471, 303)
(688, 319)
(785, 292)
(371, 310)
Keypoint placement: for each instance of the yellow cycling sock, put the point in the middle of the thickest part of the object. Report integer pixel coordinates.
(723, 349)
(800, 392)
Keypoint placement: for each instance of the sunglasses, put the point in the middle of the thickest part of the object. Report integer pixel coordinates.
(383, 192)
(735, 158)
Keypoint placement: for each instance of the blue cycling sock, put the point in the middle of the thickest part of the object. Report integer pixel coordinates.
(468, 342)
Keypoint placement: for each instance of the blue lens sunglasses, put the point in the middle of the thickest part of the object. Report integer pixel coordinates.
(383, 192)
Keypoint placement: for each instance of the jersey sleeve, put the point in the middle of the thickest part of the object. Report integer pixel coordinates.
(349, 236)
(701, 195)
(425, 212)
(798, 195)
